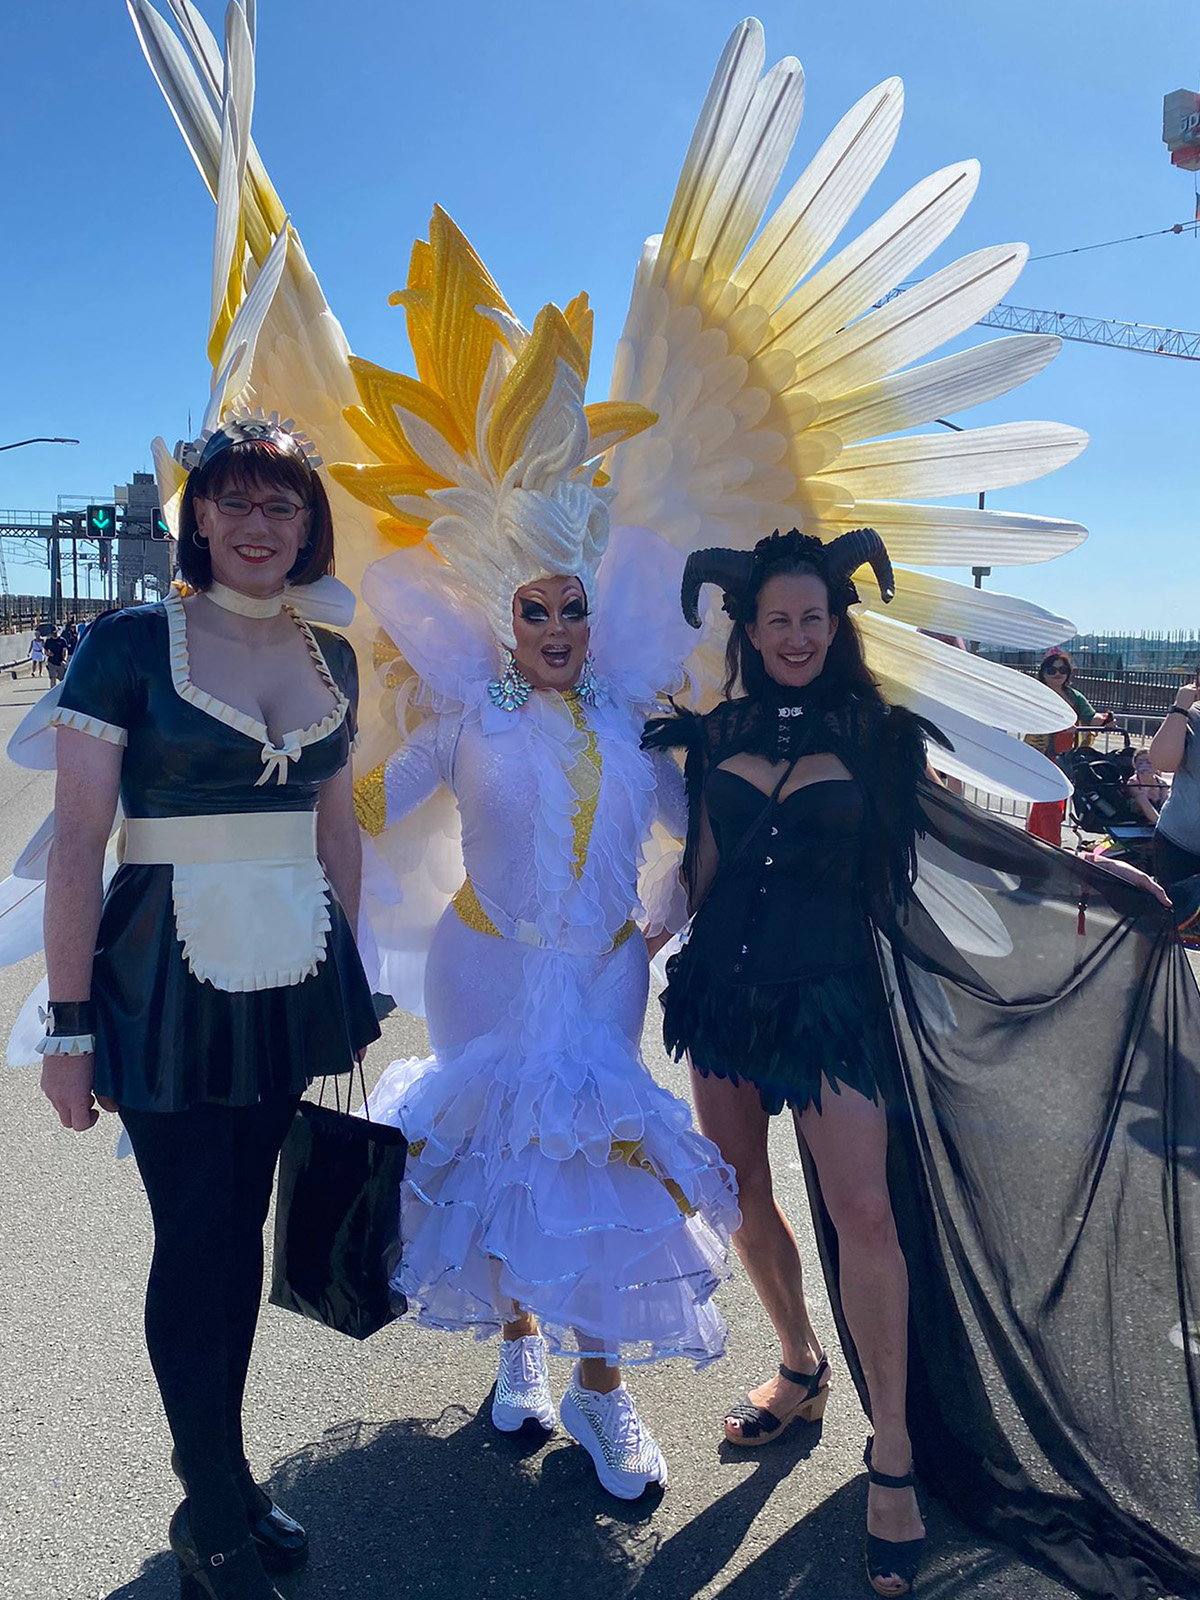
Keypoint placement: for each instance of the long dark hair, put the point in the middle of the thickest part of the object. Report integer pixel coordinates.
(248, 462)
(845, 666)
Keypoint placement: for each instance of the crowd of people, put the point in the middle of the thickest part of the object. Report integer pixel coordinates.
(50, 651)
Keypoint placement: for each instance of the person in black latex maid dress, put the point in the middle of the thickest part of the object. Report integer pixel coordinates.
(219, 974)
(932, 1101)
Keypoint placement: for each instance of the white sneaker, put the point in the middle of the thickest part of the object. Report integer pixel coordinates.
(522, 1386)
(608, 1427)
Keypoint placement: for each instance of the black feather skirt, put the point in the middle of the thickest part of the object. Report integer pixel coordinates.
(792, 1040)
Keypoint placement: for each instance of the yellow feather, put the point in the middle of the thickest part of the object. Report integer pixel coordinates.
(462, 339)
(375, 485)
(615, 421)
(382, 391)
(527, 387)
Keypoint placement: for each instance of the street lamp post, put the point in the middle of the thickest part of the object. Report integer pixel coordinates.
(978, 573)
(41, 439)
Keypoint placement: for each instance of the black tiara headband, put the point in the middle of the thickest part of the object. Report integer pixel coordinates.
(733, 571)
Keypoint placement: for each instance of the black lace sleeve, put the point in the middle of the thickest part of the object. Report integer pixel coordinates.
(687, 731)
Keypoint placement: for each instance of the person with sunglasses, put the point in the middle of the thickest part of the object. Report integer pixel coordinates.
(1056, 671)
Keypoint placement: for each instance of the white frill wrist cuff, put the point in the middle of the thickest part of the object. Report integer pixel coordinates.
(73, 1044)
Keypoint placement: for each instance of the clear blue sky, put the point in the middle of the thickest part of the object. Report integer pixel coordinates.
(554, 136)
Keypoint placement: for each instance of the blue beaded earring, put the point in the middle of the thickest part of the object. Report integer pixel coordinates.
(510, 691)
(587, 688)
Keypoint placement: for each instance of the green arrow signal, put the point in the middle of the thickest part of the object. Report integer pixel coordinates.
(161, 526)
(101, 520)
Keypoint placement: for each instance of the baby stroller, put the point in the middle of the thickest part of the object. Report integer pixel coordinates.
(1102, 803)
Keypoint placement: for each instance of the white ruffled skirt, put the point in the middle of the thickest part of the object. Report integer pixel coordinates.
(547, 1169)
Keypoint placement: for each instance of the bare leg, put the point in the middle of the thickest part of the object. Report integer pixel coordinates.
(594, 1371)
(522, 1326)
(732, 1116)
(848, 1143)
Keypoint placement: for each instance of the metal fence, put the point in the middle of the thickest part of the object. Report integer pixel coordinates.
(21, 612)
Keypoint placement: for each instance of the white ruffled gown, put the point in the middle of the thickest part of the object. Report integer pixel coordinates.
(547, 1169)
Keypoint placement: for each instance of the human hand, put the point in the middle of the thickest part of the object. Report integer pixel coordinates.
(655, 941)
(1122, 869)
(1186, 698)
(67, 1084)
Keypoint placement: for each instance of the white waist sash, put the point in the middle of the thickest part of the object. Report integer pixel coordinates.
(251, 900)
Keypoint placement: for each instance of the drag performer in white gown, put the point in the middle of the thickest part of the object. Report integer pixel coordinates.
(554, 1192)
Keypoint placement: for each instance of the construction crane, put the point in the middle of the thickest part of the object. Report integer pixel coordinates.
(1097, 330)
(1149, 340)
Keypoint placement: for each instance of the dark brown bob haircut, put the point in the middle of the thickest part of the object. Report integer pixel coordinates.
(243, 466)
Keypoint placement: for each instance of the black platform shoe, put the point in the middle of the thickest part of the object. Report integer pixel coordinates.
(282, 1542)
(888, 1556)
(236, 1574)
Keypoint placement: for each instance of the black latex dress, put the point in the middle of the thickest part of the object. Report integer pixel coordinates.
(164, 1040)
(1044, 1165)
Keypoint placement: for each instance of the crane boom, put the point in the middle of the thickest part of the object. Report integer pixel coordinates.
(1141, 336)
(1096, 330)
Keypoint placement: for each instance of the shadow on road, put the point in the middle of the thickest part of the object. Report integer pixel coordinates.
(439, 1510)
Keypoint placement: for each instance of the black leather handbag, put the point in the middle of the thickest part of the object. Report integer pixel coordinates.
(337, 1219)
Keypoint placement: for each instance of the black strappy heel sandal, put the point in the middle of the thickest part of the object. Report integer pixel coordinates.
(888, 1556)
(760, 1426)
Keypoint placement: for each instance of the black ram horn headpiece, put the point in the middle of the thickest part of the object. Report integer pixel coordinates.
(728, 569)
(849, 551)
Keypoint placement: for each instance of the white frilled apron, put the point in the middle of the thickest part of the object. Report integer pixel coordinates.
(251, 900)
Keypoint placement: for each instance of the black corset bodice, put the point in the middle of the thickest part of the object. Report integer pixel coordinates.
(787, 901)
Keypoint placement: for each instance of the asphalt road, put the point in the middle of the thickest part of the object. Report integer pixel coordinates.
(384, 1449)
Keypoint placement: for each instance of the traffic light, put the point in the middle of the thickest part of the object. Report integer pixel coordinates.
(101, 522)
(158, 528)
(101, 525)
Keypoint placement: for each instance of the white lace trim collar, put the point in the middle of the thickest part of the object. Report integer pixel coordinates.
(276, 757)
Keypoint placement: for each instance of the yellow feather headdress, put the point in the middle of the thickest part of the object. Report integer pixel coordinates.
(490, 453)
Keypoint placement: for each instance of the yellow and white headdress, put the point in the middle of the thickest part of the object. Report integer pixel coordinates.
(490, 455)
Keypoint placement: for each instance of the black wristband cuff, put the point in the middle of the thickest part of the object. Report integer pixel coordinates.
(67, 1018)
(1177, 710)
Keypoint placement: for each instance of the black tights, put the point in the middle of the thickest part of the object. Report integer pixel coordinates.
(208, 1175)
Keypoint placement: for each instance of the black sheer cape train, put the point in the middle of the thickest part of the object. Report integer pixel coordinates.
(1044, 1165)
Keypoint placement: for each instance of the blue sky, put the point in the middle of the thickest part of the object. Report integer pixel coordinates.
(554, 136)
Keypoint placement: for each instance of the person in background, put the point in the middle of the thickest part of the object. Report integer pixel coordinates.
(1146, 787)
(71, 634)
(57, 652)
(1173, 749)
(1046, 816)
(37, 655)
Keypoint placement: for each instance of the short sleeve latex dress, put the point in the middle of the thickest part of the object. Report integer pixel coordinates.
(547, 1168)
(1039, 1061)
(166, 1037)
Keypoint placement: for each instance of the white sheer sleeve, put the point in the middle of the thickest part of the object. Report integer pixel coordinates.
(419, 768)
(661, 889)
(670, 793)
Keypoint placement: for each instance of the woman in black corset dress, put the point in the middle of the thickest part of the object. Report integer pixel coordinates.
(219, 974)
(777, 997)
(992, 1054)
